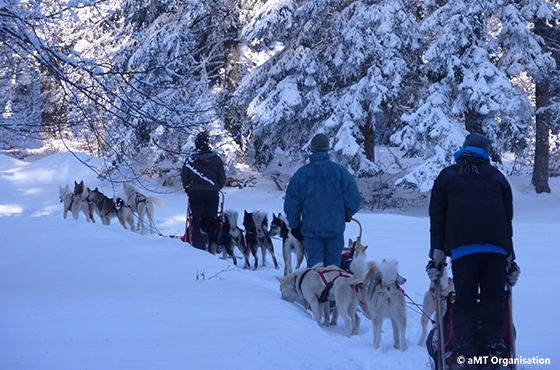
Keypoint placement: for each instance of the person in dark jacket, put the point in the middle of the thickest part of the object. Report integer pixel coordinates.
(203, 176)
(471, 213)
(320, 198)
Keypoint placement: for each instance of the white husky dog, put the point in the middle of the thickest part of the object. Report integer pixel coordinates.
(319, 285)
(142, 205)
(74, 203)
(385, 300)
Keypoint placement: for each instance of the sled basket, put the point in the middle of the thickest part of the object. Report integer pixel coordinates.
(432, 340)
(187, 236)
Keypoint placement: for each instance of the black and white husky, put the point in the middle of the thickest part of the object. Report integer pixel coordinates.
(279, 226)
(256, 235)
(232, 236)
(108, 208)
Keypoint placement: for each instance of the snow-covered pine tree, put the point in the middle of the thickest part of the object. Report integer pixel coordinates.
(528, 42)
(337, 68)
(468, 92)
(170, 60)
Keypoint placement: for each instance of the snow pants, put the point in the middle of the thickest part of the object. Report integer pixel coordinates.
(478, 316)
(203, 204)
(328, 251)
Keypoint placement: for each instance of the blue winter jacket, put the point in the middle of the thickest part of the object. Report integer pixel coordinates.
(320, 197)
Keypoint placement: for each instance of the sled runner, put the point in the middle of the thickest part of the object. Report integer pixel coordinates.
(441, 351)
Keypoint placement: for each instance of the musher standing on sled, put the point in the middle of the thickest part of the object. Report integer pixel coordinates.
(471, 213)
(203, 177)
(321, 196)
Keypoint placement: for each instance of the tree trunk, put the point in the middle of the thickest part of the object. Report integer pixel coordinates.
(542, 120)
(542, 133)
(369, 133)
(232, 77)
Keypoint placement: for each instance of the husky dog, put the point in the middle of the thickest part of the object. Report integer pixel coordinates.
(108, 208)
(319, 285)
(74, 202)
(279, 226)
(80, 190)
(385, 300)
(143, 205)
(256, 235)
(232, 237)
(428, 306)
(212, 228)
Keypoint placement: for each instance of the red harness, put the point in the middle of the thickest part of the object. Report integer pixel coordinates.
(328, 284)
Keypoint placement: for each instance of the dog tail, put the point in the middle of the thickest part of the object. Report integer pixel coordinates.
(361, 269)
(158, 202)
(231, 218)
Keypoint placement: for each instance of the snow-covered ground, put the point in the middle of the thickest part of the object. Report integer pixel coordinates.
(78, 295)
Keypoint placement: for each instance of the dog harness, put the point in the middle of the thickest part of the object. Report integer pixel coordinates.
(328, 284)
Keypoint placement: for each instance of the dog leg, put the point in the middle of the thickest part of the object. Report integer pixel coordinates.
(396, 334)
(254, 252)
(428, 308)
(130, 220)
(326, 313)
(377, 331)
(402, 331)
(287, 254)
(270, 247)
(231, 252)
(348, 321)
(316, 308)
(90, 211)
(334, 319)
(299, 255)
(263, 254)
(357, 321)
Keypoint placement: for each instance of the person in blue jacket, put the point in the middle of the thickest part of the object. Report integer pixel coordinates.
(321, 196)
(471, 213)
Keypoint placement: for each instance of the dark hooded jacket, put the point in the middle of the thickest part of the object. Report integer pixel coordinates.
(203, 171)
(474, 207)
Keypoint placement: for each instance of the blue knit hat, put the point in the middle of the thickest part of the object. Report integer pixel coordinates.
(479, 141)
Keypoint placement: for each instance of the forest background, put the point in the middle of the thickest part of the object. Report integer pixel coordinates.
(133, 81)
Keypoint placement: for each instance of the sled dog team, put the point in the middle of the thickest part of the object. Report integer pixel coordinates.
(372, 287)
(132, 204)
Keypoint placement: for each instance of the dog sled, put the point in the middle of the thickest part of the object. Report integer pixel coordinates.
(351, 251)
(441, 351)
(187, 236)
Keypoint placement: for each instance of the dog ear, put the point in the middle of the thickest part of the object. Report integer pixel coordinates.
(281, 280)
